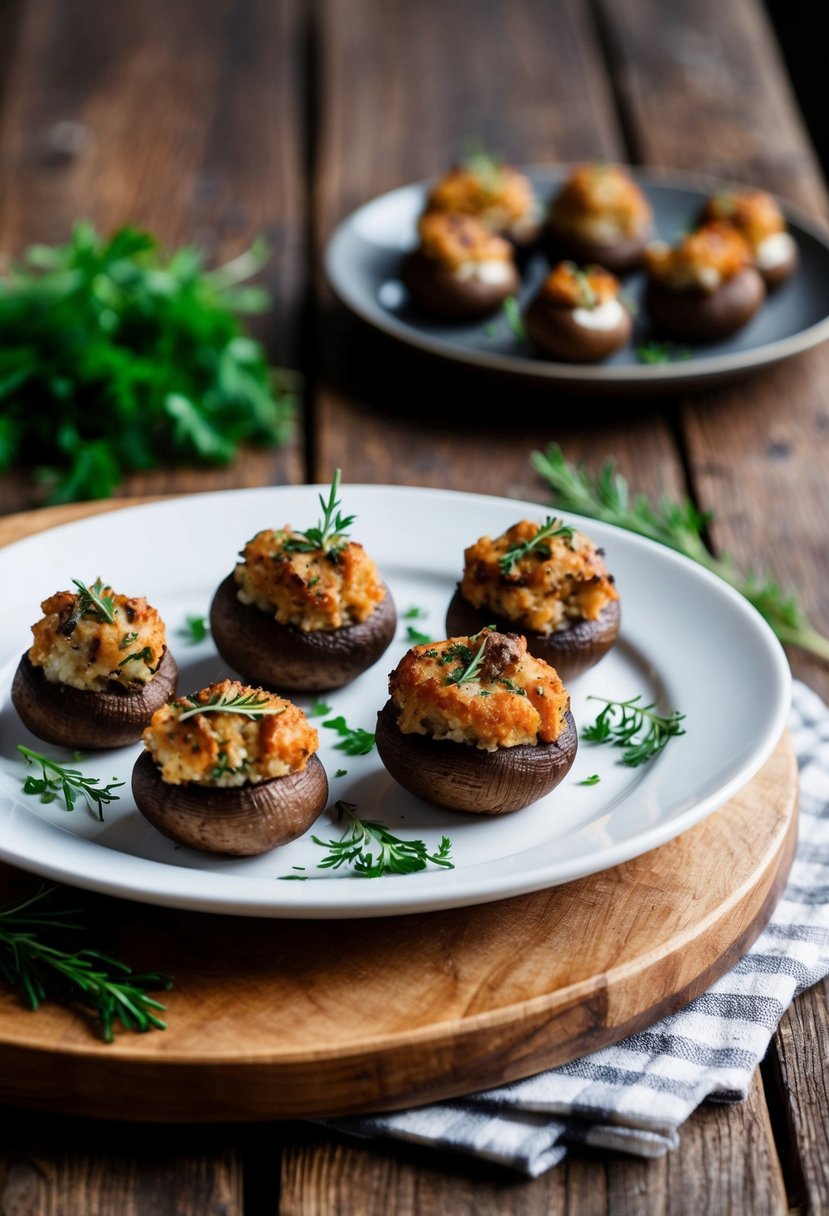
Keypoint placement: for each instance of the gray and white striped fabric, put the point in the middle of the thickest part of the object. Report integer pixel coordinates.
(634, 1096)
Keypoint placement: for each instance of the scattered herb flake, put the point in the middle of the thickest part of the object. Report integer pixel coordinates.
(318, 709)
(67, 783)
(637, 728)
(195, 628)
(371, 850)
(416, 637)
(355, 742)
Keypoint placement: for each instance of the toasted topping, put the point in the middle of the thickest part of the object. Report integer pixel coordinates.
(600, 203)
(483, 690)
(702, 261)
(454, 240)
(754, 213)
(309, 588)
(497, 195)
(228, 735)
(93, 638)
(573, 287)
(542, 587)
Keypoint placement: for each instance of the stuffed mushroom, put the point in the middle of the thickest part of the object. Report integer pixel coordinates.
(97, 669)
(461, 270)
(496, 194)
(304, 611)
(547, 581)
(600, 215)
(577, 315)
(706, 287)
(475, 723)
(231, 769)
(757, 217)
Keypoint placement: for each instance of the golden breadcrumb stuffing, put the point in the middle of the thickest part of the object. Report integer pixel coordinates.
(601, 203)
(557, 582)
(75, 644)
(484, 690)
(703, 260)
(572, 287)
(499, 196)
(227, 747)
(313, 591)
(754, 213)
(454, 240)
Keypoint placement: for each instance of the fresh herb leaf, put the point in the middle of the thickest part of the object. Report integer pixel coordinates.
(35, 960)
(331, 533)
(661, 352)
(93, 601)
(593, 779)
(146, 653)
(195, 628)
(680, 526)
(355, 742)
(637, 728)
(118, 357)
(318, 709)
(470, 664)
(550, 528)
(341, 772)
(512, 312)
(415, 614)
(127, 640)
(249, 704)
(371, 850)
(58, 781)
(416, 637)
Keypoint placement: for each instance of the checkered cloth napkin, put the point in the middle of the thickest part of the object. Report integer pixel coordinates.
(633, 1097)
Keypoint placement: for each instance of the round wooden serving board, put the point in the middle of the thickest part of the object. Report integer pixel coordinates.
(273, 1019)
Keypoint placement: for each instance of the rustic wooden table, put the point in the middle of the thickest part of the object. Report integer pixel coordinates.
(216, 121)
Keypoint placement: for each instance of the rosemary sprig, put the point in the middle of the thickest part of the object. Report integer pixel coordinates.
(680, 526)
(34, 960)
(67, 783)
(248, 704)
(355, 740)
(93, 601)
(330, 534)
(550, 528)
(371, 850)
(641, 731)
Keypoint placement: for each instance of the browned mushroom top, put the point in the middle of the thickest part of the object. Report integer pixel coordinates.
(456, 240)
(496, 194)
(754, 213)
(229, 734)
(95, 637)
(537, 579)
(704, 259)
(311, 589)
(600, 203)
(484, 690)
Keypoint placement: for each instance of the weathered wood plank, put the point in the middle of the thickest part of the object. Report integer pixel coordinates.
(183, 119)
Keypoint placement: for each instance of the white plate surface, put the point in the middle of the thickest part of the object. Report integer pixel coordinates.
(688, 642)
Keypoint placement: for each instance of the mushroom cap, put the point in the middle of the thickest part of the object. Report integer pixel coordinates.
(266, 653)
(571, 651)
(706, 316)
(773, 276)
(466, 778)
(437, 290)
(617, 256)
(71, 717)
(242, 821)
(556, 332)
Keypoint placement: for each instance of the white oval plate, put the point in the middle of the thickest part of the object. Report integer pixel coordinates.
(688, 642)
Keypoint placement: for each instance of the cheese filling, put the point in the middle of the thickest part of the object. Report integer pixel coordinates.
(774, 250)
(604, 316)
(490, 272)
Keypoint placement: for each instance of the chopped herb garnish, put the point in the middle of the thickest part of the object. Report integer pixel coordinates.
(341, 772)
(355, 742)
(318, 709)
(93, 601)
(508, 684)
(195, 628)
(415, 614)
(593, 779)
(641, 731)
(67, 783)
(416, 637)
(550, 528)
(512, 312)
(371, 850)
(34, 958)
(589, 299)
(470, 665)
(127, 640)
(249, 704)
(661, 352)
(146, 654)
(330, 535)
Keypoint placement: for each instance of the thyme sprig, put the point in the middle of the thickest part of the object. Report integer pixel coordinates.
(680, 526)
(331, 533)
(550, 528)
(34, 959)
(469, 665)
(637, 728)
(371, 850)
(355, 741)
(67, 783)
(249, 704)
(95, 602)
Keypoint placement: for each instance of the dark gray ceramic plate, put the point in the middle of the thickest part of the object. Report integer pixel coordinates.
(363, 260)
